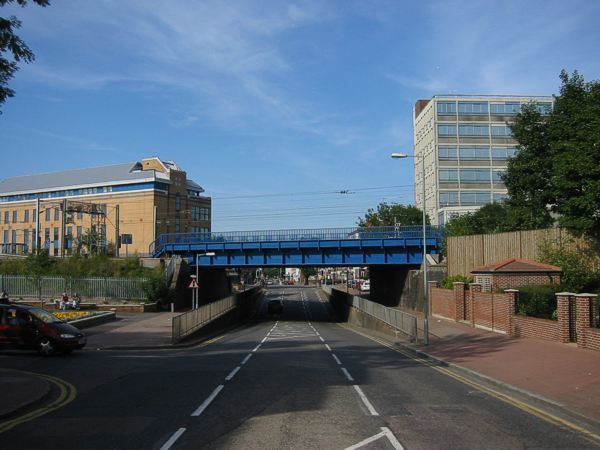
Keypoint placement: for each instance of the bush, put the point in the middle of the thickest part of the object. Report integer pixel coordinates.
(158, 291)
(538, 300)
(447, 282)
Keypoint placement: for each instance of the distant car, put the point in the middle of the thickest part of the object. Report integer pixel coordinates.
(275, 307)
(23, 326)
(365, 286)
(356, 284)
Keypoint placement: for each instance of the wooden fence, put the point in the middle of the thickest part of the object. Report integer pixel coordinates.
(468, 252)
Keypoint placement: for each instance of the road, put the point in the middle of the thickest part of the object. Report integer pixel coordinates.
(295, 381)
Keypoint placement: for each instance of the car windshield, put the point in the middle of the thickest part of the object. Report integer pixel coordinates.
(44, 315)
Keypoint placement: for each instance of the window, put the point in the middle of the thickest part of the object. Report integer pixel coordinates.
(503, 153)
(56, 213)
(78, 232)
(499, 197)
(55, 239)
(505, 108)
(474, 175)
(5, 237)
(33, 239)
(69, 238)
(79, 213)
(26, 216)
(544, 108)
(448, 198)
(47, 214)
(448, 175)
(204, 212)
(447, 152)
(501, 131)
(474, 153)
(177, 202)
(465, 129)
(25, 240)
(475, 198)
(497, 175)
(446, 108)
(472, 107)
(5, 216)
(447, 130)
(14, 216)
(46, 238)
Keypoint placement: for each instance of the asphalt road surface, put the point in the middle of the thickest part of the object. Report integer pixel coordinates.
(291, 381)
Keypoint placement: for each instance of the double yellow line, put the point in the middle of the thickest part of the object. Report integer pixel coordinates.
(551, 418)
(67, 393)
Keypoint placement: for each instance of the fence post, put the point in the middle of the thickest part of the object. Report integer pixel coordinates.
(585, 318)
(513, 299)
(459, 300)
(562, 313)
(474, 289)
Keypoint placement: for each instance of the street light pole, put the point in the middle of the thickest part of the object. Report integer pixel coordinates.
(425, 296)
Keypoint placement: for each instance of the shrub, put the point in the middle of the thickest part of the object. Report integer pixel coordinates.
(538, 300)
(447, 282)
(158, 291)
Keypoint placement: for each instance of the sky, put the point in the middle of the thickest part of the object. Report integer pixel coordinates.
(286, 113)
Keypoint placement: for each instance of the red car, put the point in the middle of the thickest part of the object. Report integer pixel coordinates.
(27, 327)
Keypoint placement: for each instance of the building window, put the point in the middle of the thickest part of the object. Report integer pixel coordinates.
(56, 214)
(447, 130)
(5, 237)
(448, 175)
(448, 198)
(46, 238)
(544, 108)
(79, 213)
(474, 153)
(204, 214)
(447, 152)
(5, 216)
(475, 198)
(498, 197)
(33, 239)
(497, 175)
(505, 109)
(25, 240)
(503, 153)
(469, 129)
(56, 242)
(472, 107)
(501, 131)
(446, 108)
(47, 214)
(26, 216)
(14, 216)
(475, 175)
(177, 201)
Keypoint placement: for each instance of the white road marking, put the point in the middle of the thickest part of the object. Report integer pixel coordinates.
(321, 337)
(207, 402)
(347, 374)
(397, 445)
(328, 347)
(256, 348)
(264, 339)
(246, 358)
(232, 374)
(167, 445)
(365, 400)
(336, 359)
(385, 432)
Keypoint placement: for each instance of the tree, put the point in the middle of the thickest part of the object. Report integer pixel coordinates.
(389, 214)
(557, 167)
(492, 218)
(11, 44)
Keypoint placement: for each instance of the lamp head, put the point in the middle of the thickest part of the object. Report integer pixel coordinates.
(399, 155)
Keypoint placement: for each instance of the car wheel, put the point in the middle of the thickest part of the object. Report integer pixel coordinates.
(45, 347)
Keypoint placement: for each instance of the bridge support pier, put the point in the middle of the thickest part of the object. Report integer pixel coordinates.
(387, 284)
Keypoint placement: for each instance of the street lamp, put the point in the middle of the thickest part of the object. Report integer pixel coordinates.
(426, 300)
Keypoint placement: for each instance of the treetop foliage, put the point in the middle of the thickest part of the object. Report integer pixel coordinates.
(390, 214)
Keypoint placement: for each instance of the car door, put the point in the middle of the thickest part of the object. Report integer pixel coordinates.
(3, 328)
(27, 329)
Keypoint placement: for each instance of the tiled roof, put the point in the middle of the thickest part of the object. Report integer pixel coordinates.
(516, 265)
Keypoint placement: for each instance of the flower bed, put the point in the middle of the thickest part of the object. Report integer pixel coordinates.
(73, 315)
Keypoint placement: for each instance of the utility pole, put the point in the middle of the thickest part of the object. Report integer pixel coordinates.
(117, 231)
(63, 227)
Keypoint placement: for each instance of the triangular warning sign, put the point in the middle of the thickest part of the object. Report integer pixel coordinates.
(193, 284)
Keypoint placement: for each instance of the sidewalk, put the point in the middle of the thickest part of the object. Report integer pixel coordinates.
(558, 372)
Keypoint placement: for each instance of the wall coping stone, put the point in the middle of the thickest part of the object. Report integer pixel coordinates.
(565, 293)
(511, 290)
(587, 295)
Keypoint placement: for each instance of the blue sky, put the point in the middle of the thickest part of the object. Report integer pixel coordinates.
(274, 107)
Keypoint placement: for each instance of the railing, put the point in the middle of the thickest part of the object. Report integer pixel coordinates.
(119, 288)
(411, 231)
(189, 322)
(400, 320)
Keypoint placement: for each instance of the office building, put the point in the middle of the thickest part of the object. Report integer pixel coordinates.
(93, 210)
(465, 142)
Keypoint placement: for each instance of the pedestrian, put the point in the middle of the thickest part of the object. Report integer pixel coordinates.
(64, 301)
(4, 297)
(76, 300)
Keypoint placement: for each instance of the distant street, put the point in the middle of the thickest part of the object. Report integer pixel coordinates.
(297, 380)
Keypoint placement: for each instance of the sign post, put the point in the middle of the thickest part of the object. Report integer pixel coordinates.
(194, 285)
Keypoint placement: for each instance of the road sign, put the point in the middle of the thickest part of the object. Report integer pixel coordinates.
(193, 284)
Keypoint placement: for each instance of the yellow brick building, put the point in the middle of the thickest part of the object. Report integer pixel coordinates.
(93, 210)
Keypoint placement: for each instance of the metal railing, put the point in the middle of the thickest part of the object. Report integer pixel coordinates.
(187, 323)
(404, 322)
(119, 288)
(412, 231)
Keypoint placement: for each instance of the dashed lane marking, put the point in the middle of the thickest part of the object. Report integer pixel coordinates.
(365, 400)
(208, 401)
(167, 445)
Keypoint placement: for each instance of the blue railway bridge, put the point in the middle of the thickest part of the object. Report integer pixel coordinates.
(329, 247)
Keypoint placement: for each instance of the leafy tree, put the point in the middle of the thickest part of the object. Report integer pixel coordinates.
(11, 44)
(492, 218)
(389, 214)
(557, 166)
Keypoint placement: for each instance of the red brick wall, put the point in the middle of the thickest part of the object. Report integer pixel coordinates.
(442, 302)
(591, 339)
(533, 327)
(491, 310)
(512, 281)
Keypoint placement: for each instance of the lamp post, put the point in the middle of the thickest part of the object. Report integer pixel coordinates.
(425, 297)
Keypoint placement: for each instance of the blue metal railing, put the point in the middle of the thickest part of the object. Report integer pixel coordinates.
(412, 231)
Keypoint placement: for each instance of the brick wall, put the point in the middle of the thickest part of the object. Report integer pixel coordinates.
(512, 281)
(442, 302)
(533, 327)
(591, 339)
(587, 335)
(490, 310)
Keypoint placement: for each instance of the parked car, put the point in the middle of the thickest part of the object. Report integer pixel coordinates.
(275, 307)
(356, 284)
(365, 286)
(27, 327)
